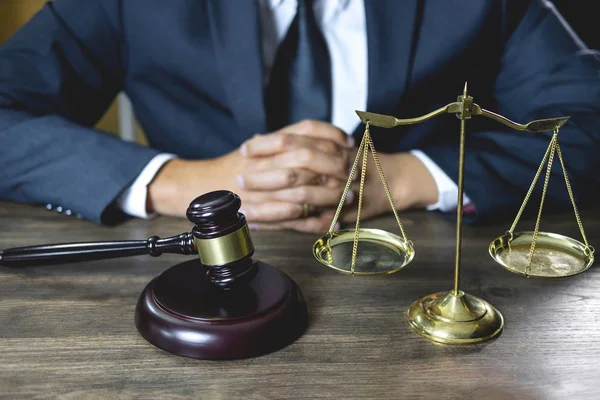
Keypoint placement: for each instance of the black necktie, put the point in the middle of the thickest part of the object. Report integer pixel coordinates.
(300, 82)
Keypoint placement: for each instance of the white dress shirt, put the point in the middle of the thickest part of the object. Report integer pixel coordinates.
(344, 27)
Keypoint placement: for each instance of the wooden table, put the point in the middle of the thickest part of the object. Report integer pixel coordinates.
(67, 331)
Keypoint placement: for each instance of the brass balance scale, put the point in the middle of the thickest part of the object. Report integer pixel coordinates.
(455, 317)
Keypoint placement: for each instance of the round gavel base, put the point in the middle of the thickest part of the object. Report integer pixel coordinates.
(181, 312)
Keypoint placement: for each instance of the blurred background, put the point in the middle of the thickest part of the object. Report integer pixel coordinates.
(14, 13)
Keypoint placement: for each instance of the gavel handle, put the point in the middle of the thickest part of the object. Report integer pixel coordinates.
(76, 252)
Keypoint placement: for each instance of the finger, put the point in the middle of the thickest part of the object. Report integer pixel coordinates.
(335, 165)
(319, 129)
(270, 211)
(324, 180)
(316, 196)
(277, 179)
(348, 216)
(331, 182)
(275, 143)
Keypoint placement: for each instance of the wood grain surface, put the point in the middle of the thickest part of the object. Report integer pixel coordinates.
(67, 331)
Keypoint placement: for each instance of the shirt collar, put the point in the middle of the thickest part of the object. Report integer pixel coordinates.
(340, 4)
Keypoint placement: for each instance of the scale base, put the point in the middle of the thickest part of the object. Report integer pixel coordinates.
(454, 319)
(181, 312)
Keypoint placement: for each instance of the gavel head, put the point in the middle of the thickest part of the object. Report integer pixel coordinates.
(222, 238)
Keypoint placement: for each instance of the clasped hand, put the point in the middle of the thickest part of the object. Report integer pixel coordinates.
(302, 164)
(276, 174)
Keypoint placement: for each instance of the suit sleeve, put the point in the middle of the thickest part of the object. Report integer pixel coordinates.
(545, 72)
(58, 75)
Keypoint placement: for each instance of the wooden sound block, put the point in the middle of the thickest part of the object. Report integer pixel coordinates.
(181, 312)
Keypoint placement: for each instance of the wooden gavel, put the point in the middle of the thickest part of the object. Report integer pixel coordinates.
(223, 305)
(220, 237)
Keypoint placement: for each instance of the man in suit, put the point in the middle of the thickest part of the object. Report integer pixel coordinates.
(258, 96)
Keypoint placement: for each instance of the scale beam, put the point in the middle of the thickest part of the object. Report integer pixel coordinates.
(387, 121)
(539, 125)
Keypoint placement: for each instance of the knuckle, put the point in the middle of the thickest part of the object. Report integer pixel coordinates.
(341, 165)
(302, 193)
(335, 183)
(323, 180)
(291, 177)
(347, 158)
(305, 156)
(287, 141)
(328, 146)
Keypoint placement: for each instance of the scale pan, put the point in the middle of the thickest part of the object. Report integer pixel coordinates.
(379, 252)
(555, 256)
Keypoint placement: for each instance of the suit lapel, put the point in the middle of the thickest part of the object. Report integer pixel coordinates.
(390, 31)
(235, 29)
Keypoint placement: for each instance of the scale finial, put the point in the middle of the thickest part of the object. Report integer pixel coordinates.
(465, 90)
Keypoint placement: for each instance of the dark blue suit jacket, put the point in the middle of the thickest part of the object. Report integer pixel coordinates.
(193, 71)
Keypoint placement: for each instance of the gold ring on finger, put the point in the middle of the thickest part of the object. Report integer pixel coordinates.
(305, 210)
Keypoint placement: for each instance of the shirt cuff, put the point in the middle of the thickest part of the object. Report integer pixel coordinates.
(447, 189)
(133, 200)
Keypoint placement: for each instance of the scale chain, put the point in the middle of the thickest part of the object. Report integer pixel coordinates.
(363, 174)
(528, 195)
(589, 249)
(386, 187)
(544, 190)
(348, 184)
